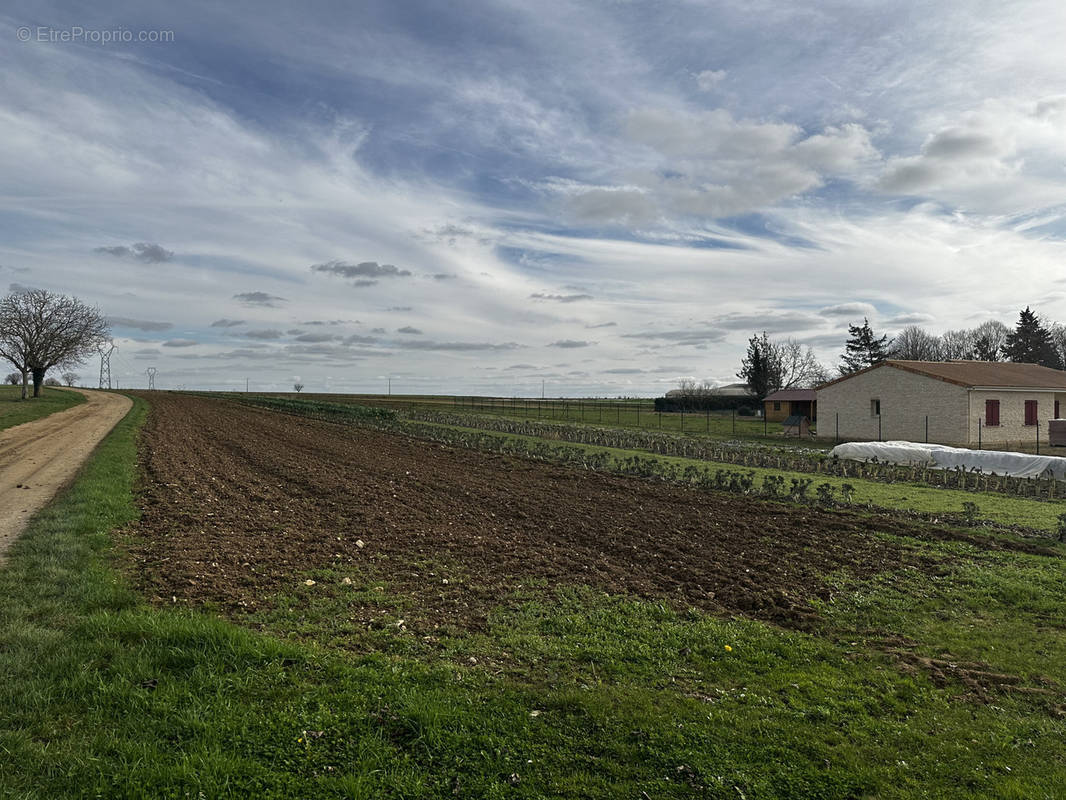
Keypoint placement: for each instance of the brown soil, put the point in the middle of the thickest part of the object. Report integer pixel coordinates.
(241, 503)
(39, 458)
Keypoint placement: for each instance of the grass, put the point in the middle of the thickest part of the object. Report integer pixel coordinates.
(573, 694)
(15, 411)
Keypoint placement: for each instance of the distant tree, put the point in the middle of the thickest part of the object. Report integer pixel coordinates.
(1030, 342)
(914, 343)
(797, 366)
(989, 339)
(770, 365)
(70, 378)
(957, 345)
(52, 382)
(13, 378)
(1058, 339)
(759, 367)
(299, 387)
(863, 348)
(40, 330)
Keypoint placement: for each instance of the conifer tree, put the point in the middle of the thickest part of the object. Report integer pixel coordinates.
(1030, 342)
(863, 348)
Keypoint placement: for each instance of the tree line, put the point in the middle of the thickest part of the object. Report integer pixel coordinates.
(770, 365)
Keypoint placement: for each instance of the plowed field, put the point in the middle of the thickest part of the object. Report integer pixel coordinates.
(240, 503)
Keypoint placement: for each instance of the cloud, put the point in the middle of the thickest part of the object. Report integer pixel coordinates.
(458, 347)
(569, 344)
(19, 288)
(180, 343)
(145, 252)
(263, 334)
(363, 270)
(399, 308)
(911, 319)
(772, 321)
(680, 337)
(561, 298)
(850, 310)
(258, 299)
(445, 276)
(709, 79)
(315, 338)
(624, 371)
(409, 330)
(602, 325)
(227, 323)
(139, 324)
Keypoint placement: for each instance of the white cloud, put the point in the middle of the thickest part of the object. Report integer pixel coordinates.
(708, 79)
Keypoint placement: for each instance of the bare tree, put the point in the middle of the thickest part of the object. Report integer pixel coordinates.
(13, 378)
(989, 339)
(957, 345)
(796, 366)
(70, 378)
(299, 387)
(52, 382)
(40, 330)
(915, 343)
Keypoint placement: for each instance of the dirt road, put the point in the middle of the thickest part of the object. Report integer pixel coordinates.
(39, 458)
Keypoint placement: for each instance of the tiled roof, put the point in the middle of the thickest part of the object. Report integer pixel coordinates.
(999, 375)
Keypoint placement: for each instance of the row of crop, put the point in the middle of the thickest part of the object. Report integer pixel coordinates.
(470, 430)
(751, 454)
(769, 486)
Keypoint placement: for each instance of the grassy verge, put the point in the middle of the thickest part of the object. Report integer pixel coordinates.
(15, 411)
(566, 693)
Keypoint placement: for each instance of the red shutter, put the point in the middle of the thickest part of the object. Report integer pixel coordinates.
(1030, 412)
(991, 412)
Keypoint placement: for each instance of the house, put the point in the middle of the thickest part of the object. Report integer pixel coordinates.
(786, 403)
(967, 403)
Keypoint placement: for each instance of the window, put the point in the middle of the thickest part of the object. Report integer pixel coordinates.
(777, 405)
(1030, 412)
(991, 413)
(875, 408)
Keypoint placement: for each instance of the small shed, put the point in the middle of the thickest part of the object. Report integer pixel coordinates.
(786, 403)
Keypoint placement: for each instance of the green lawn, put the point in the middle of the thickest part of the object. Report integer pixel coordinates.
(564, 693)
(15, 411)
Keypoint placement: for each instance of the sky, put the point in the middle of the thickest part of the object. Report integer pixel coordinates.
(595, 198)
